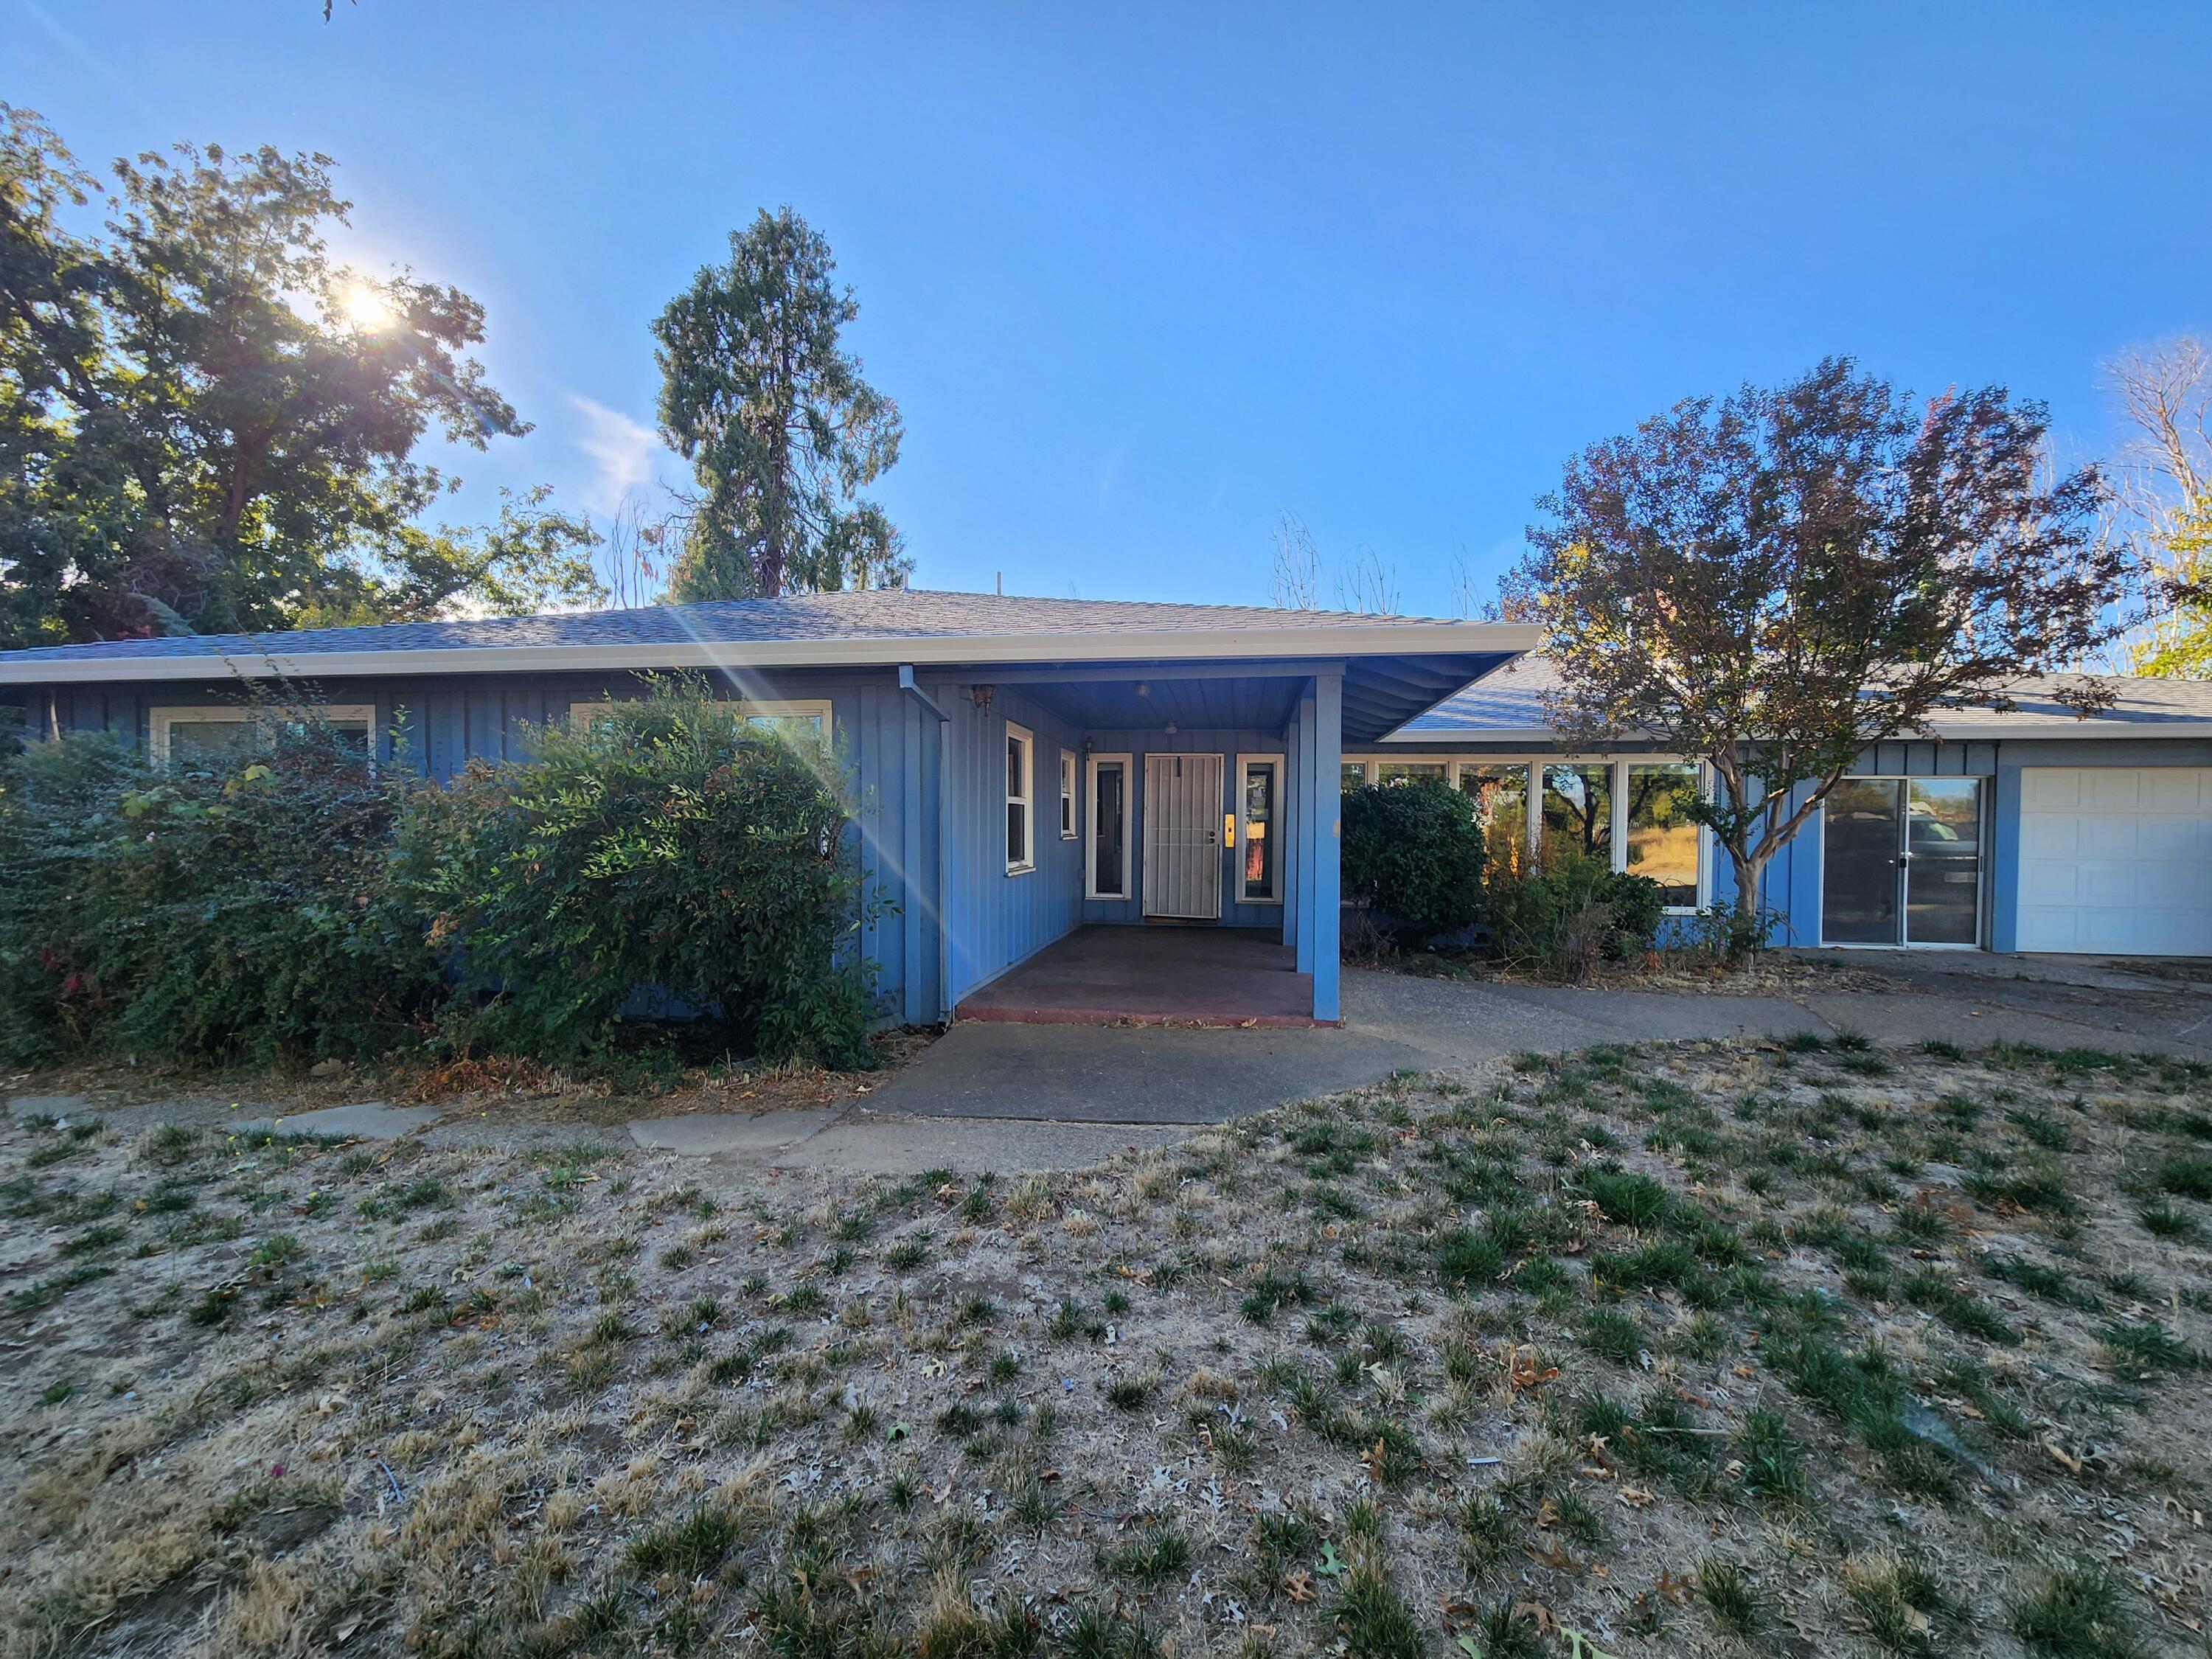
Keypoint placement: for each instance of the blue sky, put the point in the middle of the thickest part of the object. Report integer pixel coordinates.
(1142, 278)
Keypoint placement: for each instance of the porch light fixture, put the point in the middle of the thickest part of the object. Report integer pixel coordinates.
(1169, 728)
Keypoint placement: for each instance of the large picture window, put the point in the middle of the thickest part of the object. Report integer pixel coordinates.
(185, 735)
(1628, 814)
(1021, 796)
(1106, 855)
(1259, 803)
(1500, 794)
(1662, 836)
(1411, 772)
(806, 717)
(1578, 811)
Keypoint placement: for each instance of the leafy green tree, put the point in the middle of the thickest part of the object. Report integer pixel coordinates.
(206, 427)
(1774, 583)
(781, 430)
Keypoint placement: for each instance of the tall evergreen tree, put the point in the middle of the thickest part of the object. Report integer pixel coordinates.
(781, 430)
(205, 426)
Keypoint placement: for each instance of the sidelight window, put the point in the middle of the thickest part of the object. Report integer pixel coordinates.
(1021, 792)
(1260, 856)
(1106, 853)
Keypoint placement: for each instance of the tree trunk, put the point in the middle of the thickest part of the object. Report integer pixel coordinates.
(1744, 929)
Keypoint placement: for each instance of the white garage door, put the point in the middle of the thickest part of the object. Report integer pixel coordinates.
(2116, 859)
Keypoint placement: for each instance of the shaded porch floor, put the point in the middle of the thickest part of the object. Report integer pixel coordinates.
(1152, 976)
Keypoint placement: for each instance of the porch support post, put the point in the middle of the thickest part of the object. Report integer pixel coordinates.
(1326, 885)
(1307, 812)
(1289, 810)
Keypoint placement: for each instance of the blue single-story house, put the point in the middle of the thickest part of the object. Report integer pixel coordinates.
(1023, 769)
(2031, 829)
(1026, 770)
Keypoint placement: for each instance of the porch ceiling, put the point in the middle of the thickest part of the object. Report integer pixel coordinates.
(1380, 695)
(1262, 704)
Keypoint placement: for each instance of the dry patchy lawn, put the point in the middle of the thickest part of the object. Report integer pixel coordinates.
(1704, 1349)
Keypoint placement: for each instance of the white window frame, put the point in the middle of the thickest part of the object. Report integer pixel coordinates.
(1068, 817)
(1244, 762)
(160, 722)
(1026, 799)
(1703, 883)
(1985, 792)
(1617, 767)
(748, 709)
(1127, 763)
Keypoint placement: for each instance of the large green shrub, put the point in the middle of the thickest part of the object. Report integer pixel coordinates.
(664, 844)
(234, 908)
(1413, 853)
(1570, 911)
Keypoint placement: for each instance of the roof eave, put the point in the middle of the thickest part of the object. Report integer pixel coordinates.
(981, 650)
(1539, 736)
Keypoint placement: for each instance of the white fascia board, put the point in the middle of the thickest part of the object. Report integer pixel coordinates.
(1448, 639)
(2039, 731)
(2071, 730)
(1532, 737)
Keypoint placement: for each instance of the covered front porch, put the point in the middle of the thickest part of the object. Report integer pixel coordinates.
(1156, 841)
(1105, 975)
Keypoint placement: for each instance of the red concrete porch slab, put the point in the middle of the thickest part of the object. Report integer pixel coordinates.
(1152, 976)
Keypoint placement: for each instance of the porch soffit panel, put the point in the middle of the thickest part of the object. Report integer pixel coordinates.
(1260, 704)
(1380, 695)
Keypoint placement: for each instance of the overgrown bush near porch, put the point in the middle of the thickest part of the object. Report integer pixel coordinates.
(235, 908)
(1414, 856)
(1568, 913)
(664, 845)
(289, 903)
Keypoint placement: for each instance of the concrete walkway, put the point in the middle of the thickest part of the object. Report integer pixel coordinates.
(863, 1140)
(1394, 1021)
(1014, 1097)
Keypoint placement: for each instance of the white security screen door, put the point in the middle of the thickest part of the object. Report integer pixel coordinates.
(1183, 816)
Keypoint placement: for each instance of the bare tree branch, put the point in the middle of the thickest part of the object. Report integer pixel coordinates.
(1297, 584)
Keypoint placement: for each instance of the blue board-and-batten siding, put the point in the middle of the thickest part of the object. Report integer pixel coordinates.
(436, 727)
(1003, 917)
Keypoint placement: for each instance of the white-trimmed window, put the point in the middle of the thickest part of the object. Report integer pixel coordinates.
(1259, 829)
(1066, 795)
(808, 715)
(1106, 832)
(1630, 811)
(1662, 840)
(209, 730)
(1021, 797)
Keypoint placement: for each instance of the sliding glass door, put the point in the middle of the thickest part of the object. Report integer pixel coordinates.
(1901, 862)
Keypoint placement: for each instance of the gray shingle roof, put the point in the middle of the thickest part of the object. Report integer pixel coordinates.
(1507, 701)
(880, 613)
